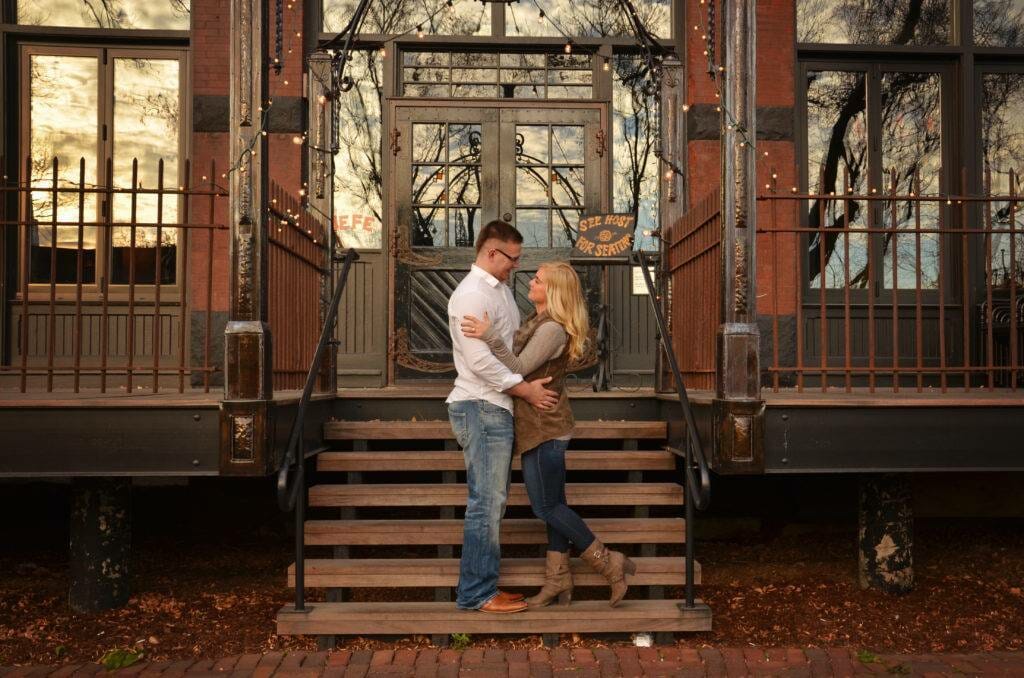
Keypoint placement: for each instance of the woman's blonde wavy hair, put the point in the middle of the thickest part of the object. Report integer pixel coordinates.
(566, 305)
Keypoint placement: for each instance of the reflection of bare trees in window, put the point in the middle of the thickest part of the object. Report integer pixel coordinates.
(402, 16)
(878, 22)
(112, 14)
(586, 17)
(999, 23)
(635, 174)
(358, 172)
(1002, 135)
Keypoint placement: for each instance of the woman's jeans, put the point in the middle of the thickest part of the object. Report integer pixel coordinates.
(544, 473)
(485, 432)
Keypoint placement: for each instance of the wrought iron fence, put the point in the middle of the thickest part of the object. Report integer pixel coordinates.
(298, 272)
(893, 289)
(107, 278)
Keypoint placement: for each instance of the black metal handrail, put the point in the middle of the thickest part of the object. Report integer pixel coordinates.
(291, 489)
(698, 491)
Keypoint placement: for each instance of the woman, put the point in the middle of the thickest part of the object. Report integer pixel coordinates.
(549, 340)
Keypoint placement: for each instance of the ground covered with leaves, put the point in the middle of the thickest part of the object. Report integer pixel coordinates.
(210, 587)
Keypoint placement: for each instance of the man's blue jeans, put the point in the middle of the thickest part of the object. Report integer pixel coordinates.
(485, 432)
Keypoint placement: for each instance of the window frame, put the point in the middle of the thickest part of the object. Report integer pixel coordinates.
(873, 70)
(106, 55)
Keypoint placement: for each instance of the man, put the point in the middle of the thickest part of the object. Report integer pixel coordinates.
(480, 410)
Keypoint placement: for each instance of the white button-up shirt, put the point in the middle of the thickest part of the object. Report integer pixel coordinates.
(481, 376)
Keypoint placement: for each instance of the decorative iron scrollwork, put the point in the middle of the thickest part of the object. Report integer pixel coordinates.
(406, 358)
(602, 142)
(395, 136)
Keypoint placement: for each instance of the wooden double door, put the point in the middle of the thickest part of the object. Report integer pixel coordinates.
(457, 166)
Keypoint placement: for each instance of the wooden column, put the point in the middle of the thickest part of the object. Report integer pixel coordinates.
(100, 547)
(320, 173)
(885, 538)
(674, 189)
(248, 386)
(738, 408)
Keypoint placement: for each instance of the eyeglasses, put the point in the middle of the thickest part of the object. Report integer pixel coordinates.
(514, 260)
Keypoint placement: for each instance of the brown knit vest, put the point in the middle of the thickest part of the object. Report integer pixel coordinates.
(534, 426)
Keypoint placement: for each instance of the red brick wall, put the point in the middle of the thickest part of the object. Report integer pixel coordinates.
(776, 55)
(211, 65)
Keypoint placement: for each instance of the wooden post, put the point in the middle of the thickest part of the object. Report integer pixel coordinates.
(675, 199)
(100, 547)
(319, 197)
(738, 408)
(248, 385)
(885, 538)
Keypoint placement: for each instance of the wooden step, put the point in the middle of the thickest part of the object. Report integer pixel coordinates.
(431, 572)
(441, 429)
(513, 531)
(452, 460)
(454, 494)
(590, 616)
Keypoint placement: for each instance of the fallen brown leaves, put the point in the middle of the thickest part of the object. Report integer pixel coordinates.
(215, 599)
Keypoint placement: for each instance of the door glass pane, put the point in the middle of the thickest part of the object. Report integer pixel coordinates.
(147, 114)
(567, 186)
(404, 16)
(1002, 136)
(428, 142)
(912, 150)
(451, 187)
(999, 23)
(585, 18)
(533, 224)
(837, 155)
(168, 15)
(532, 144)
(567, 144)
(63, 123)
(566, 225)
(357, 167)
(892, 22)
(635, 184)
(542, 183)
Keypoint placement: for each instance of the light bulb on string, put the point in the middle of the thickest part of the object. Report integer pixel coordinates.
(607, 65)
(540, 17)
(568, 47)
(451, 6)
(419, 32)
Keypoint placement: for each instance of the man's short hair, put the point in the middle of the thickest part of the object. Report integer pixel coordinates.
(498, 230)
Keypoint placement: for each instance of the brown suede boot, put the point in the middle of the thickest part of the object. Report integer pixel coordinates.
(557, 582)
(612, 565)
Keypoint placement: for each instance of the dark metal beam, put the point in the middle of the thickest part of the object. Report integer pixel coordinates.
(739, 410)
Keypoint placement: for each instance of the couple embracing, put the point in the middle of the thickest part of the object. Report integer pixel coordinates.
(510, 399)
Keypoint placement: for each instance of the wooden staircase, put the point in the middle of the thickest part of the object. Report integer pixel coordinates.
(411, 529)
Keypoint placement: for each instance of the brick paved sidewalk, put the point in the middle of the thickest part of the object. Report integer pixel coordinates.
(560, 662)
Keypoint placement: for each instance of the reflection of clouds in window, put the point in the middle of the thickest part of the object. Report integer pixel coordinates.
(837, 152)
(912, 150)
(1002, 135)
(585, 17)
(357, 166)
(165, 15)
(635, 185)
(403, 16)
(874, 22)
(146, 123)
(999, 23)
(63, 111)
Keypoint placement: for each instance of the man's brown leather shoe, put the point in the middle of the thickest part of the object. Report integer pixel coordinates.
(498, 606)
(509, 597)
